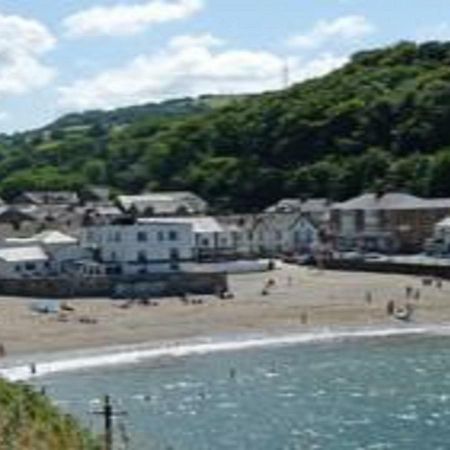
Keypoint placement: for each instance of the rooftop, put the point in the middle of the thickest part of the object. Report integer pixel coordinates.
(199, 224)
(46, 237)
(164, 202)
(18, 254)
(391, 201)
(296, 204)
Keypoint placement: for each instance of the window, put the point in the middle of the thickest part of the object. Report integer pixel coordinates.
(142, 236)
(142, 256)
(18, 268)
(173, 235)
(160, 236)
(30, 266)
(205, 242)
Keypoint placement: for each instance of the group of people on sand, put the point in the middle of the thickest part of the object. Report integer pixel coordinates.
(405, 311)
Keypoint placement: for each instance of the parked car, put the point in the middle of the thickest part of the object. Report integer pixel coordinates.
(373, 257)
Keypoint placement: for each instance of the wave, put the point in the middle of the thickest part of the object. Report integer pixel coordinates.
(135, 355)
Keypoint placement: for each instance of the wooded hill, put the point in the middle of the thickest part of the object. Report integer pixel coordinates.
(381, 121)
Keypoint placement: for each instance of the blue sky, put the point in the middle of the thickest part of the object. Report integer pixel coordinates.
(61, 56)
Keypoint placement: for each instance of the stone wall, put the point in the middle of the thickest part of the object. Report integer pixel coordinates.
(390, 267)
(151, 285)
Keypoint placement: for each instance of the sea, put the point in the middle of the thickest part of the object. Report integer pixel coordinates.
(370, 389)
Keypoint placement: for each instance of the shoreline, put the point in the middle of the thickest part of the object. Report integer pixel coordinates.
(302, 302)
(88, 359)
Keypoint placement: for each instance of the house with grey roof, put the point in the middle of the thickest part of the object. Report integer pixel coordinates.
(386, 222)
(47, 198)
(315, 209)
(271, 234)
(163, 204)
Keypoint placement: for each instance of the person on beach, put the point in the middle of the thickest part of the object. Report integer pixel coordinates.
(368, 297)
(390, 307)
(2, 351)
(33, 368)
(304, 318)
(232, 373)
(408, 291)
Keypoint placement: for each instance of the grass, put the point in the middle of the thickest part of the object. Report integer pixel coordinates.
(28, 421)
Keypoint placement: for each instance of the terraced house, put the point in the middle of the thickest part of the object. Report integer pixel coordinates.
(386, 222)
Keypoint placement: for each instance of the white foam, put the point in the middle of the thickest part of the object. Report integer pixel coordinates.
(135, 355)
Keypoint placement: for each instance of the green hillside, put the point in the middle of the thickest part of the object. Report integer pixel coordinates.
(29, 422)
(382, 120)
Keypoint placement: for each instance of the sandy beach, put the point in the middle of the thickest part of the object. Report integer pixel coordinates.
(321, 298)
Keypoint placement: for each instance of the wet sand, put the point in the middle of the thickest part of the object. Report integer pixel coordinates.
(301, 299)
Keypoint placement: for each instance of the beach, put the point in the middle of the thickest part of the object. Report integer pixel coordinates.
(301, 299)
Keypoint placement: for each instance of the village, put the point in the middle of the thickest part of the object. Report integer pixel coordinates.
(58, 244)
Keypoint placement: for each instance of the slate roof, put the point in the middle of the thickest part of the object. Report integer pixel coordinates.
(164, 203)
(295, 204)
(391, 201)
(48, 198)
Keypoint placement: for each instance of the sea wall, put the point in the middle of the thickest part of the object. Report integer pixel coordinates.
(441, 271)
(149, 285)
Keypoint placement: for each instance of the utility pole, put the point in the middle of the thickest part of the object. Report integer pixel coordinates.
(108, 414)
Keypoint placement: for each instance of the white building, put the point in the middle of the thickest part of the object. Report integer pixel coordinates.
(136, 248)
(23, 262)
(271, 233)
(211, 239)
(49, 253)
(284, 233)
(61, 248)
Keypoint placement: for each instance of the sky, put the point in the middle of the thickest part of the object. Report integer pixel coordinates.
(61, 56)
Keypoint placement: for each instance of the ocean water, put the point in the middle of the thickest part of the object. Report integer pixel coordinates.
(369, 393)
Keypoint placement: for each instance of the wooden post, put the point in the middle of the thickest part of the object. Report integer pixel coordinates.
(108, 414)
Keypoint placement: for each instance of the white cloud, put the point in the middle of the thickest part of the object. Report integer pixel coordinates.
(22, 42)
(122, 20)
(347, 28)
(200, 40)
(189, 66)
